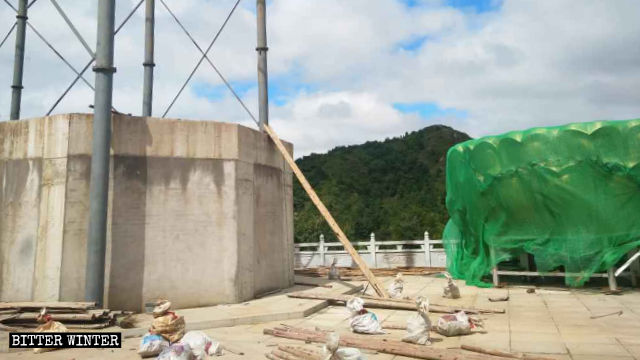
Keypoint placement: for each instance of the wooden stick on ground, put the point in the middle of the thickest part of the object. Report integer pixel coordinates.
(301, 352)
(502, 353)
(326, 214)
(491, 352)
(609, 314)
(232, 349)
(306, 283)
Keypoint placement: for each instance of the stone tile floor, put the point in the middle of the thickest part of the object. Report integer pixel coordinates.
(553, 322)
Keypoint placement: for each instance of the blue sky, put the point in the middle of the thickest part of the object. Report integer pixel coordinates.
(429, 110)
(478, 6)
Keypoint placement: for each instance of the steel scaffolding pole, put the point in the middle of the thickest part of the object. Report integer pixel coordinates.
(147, 90)
(18, 62)
(99, 186)
(263, 94)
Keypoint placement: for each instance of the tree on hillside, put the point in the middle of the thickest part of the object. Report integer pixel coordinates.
(395, 188)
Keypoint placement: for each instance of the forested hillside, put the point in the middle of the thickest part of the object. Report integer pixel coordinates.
(395, 188)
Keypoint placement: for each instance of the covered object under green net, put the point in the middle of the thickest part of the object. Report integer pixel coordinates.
(569, 195)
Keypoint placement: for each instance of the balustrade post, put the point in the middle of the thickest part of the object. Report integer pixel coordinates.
(427, 249)
(372, 250)
(321, 249)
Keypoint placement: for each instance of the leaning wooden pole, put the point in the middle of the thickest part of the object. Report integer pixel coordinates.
(379, 289)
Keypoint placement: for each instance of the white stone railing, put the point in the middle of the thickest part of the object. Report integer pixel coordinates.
(377, 254)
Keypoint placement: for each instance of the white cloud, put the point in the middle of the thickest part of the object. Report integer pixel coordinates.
(531, 63)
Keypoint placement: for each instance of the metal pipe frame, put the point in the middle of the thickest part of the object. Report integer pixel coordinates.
(147, 89)
(263, 92)
(99, 185)
(18, 62)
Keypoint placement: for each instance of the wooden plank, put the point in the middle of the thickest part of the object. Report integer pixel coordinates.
(32, 316)
(301, 352)
(379, 289)
(47, 304)
(380, 344)
(395, 304)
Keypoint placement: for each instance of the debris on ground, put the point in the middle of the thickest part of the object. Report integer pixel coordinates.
(201, 345)
(608, 291)
(619, 313)
(307, 283)
(457, 324)
(334, 273)
(499, 298)
(503, 354)
(19, 316)
(48, 325)
(177, 351)
(166, 323)
(152, 345)
(362, 321)
(287, 352)
(354, 274)
(394, 304)
(396, 287)
(419, 325)
(451, 290)
(379, 344)
(531, 290)
(332, 350)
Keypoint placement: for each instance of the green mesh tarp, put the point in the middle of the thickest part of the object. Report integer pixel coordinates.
(569, 195)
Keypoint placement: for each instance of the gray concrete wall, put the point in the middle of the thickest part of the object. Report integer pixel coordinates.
(199, 212)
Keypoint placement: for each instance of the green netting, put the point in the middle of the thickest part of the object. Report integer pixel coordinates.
(569, 195)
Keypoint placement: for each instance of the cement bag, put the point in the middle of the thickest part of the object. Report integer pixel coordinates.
(451, 289)
(454, 324)
(49, 326)
(161, 308)
(396, 287)
(334, 273)
(201, 345)
(362, 321)
(332, 352)
(152, 345)
(419, 325)
(176, 351)
(170, 326)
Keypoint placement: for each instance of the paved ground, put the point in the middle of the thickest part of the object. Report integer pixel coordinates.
(552, 322)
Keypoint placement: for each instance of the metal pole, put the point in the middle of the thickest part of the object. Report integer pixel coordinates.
(147, 90)
(263, 95)
(18, 61)
(99, 186)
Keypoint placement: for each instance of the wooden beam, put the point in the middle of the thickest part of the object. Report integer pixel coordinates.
(37, 305)
(380, 344)
(379, 289)
(396, 304)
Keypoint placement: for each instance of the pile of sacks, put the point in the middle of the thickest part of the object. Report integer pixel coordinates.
(167, 339)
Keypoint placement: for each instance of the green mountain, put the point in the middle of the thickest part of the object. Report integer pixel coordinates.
(395, 188)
